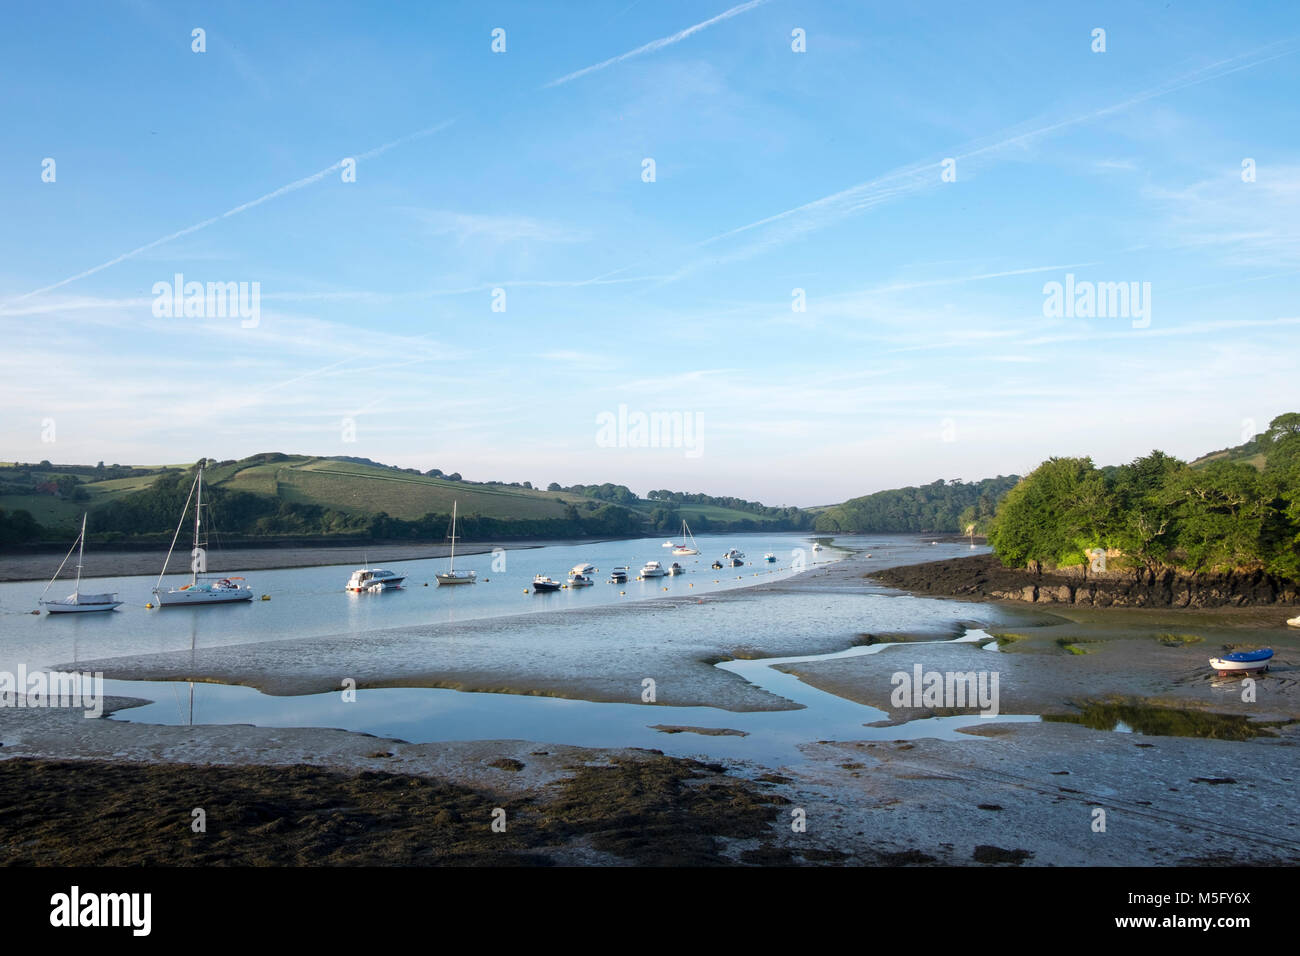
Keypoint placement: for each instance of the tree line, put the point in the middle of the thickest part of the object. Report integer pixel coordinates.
(1160, 512)
(941, 506)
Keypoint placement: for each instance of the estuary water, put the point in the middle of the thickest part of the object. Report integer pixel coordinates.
(669, 627)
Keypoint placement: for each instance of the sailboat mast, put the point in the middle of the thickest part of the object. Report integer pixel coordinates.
(452, 566)
(198, 510)
(81, 551)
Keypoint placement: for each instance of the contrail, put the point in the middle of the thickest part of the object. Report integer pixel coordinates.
(291, 187)
(917, 176)
(659, 44)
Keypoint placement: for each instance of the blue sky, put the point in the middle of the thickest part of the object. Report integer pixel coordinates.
(924, 350)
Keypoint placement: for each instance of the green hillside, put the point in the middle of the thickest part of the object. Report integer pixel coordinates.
(273, 495)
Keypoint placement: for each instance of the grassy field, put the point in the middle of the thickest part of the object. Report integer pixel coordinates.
(353, 487)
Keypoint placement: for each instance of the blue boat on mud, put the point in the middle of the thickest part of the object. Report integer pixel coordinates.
(1242, 661)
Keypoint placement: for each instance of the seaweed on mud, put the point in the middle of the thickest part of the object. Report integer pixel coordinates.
(1156, 720)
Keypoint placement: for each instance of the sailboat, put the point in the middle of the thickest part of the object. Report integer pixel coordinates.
(450, 576)
(200, 590)
(686, 535)
(76, 602)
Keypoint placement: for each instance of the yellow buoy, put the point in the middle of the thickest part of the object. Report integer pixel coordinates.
(148, 605)
(266, 597)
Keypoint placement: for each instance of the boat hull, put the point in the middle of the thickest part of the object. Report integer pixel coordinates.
(1243, 661)
(58, 607)
(454, 579)
(193, 597)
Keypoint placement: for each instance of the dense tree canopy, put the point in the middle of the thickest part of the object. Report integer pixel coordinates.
(1160, 512)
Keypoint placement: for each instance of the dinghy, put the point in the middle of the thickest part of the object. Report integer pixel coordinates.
(1242, 661)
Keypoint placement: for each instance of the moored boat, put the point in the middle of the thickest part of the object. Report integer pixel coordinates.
(770, 558)
(451, 575)
(1294, 622)
(676, 568)
(685, 548)
(543, 583)
(580, 581)
(200, 590)
(76, 602)
(618, 576)
(653, 569)
(374, 579)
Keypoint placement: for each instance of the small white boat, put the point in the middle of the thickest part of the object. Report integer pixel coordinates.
(580, 581)
(669, 544)
(676, 568)
(683, 548)
(374, 579)
(543, 583)
(200, 590)
(76, 602)
(817, 546)
(1294, 622)
(583, 569)
(451, 575)
(653, 569)
(770, 558)
(734, 558)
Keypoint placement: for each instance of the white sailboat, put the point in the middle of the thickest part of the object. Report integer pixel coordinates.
(200, 590)
(450, 576)
(76, 602)
(686, 536)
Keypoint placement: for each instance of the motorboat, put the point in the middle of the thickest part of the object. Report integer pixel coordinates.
(580, 581)
(585, 569)
(200, 590)
(76, 602)
(451, 575)
(817, 546)
(1294, 622)
(1242, 661)
(618, 576)
(770, 558)
(676, 568)
(542, 583)
(653, 569)
(669, 544)
(374, 579)
(716, 565)
(734, 558)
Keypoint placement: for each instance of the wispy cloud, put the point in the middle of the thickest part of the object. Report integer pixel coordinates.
(659, 44)
(242, 207)
(500, 229)
(792, 223)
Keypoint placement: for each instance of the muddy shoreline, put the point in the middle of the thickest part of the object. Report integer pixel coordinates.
(984, 578)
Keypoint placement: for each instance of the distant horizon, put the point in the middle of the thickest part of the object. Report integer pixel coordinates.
(841, 249)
